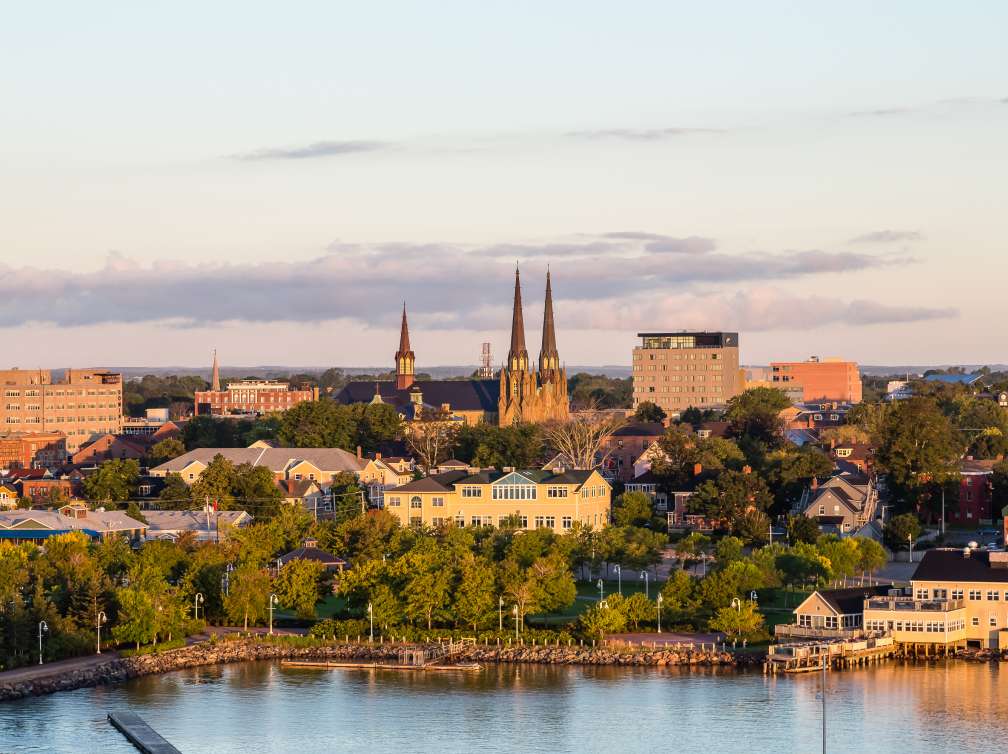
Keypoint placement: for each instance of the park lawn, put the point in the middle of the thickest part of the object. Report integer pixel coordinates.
(329, 607)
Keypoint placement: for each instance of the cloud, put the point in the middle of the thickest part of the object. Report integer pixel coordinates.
(640, 134)
(888, 236)
(883, 112)
(447, 286)
(312, 151)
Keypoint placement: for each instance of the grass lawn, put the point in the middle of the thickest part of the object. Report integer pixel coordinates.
(330, 607)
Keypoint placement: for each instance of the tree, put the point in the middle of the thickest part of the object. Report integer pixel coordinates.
(802, 529)
(730, 496)
(678, 593)
(175, 495)
(744, 621)
(428, 587)
(637, 607)
(728, 550)
(318, 424)
(871, 555)
(632, 509)
(900, 530)
(580, 439)
(297, 586)
(999, 486)
(789, 472)
(432, 438)
(517, 445)
(165, 450)
(114, 481)
(844, 555)
(474, 593)
(800, 566)
(600, 620)
(255, 488)
(917, 447)
(216, 482)
(756, 413)
(647, 411)
(248, 595)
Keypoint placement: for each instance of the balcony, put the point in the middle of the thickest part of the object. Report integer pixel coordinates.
(807, 632)
(909, 604)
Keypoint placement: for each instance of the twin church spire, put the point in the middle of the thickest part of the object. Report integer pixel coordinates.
(549, 358)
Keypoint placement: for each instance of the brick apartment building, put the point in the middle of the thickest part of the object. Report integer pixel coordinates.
(83, 404)
(252, 397)
(676, 370)
(829, 379)
(25, 450)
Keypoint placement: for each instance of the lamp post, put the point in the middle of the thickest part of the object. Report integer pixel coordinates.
(197, 601)
(99, 619)
(659, 600)
(500, 614)
(601, 590)
(272, 601)
(619, 579)
(226, 579)
(644, 575)
(910, 540)
(370, 613)
(753, 596)
(737, 604)
(515, 611)
(42, 626)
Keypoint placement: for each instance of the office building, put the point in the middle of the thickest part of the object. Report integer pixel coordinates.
(676, 370)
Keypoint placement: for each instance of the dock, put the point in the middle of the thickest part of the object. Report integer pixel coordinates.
(328, 665)
(806, 657)
(140, 734)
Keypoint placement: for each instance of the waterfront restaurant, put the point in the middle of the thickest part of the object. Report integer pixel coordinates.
(957, 598)
(831, 614)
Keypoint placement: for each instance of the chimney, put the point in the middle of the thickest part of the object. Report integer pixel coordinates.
(697, 469)
(747, 469)
(815, 483)
(359, 452)
(377, 456)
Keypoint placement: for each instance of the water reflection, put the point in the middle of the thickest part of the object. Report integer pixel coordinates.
(263, 707)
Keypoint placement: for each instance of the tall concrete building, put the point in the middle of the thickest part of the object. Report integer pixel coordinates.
(829, 379)
(84, 404)
(676, 370)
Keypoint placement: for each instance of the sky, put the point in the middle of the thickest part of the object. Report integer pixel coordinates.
(274, 180)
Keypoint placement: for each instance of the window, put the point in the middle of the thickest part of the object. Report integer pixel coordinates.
(993, 596)
(921, 594)
(436, 521)
(524, 521)
(393, 502)
(993, 621)
(974, 594)
(567, 522)
(539, 521)
(957, 594)
(556, 492)
(415, 502)
(976, 620)
(550, 522)
(460, 521)
(437, 502)
(415, 521)
(476, 521)
(472, 492)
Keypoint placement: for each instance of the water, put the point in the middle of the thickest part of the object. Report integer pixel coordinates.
(259, 707)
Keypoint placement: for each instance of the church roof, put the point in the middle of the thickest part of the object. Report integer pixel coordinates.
(461, 395)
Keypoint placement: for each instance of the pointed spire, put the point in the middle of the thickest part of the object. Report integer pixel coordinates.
(518, 355)
(215, 374)
(404, 357)
(549, 347)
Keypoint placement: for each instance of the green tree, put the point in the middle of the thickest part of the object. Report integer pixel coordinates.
(165, 450)
(648, 411)
(679, 593)
(318, 424)
(428, 587)
(297, 586)
(790, 472)
(871, 555)
(255, 488)
(755, 413)
(248, 595)
(900, 530)
(632, 509)
(216, 482)
(114, 481)
(844, 555)
(744, 621)
(730, 496)
(597, 621)
(175, 495)
(638, 608)
(474, 594)
(802, 529)
(728, 550)
(999, 486)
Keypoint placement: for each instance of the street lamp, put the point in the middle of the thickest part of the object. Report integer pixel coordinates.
(272, 601)
(42, 626)
(753, 596)
(737, 604)
(515, 611)
(370, 612)
(660, 600)
(500, 614)
(910, 540)
(601, 589)
(226, 579)
(644, 575)
(99, 619)
(197, 601)
(619, 579)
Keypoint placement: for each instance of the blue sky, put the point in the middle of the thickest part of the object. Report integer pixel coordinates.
(274, 179)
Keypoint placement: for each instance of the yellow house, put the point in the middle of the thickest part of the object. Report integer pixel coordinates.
(554, 499)
(957, 598)
(8, 497)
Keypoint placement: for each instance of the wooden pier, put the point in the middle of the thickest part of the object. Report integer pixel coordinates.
(806, 657)
(140, 734)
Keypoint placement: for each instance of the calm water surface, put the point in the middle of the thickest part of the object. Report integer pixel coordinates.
(259, 707)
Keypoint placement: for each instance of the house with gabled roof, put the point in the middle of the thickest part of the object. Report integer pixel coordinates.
(842, 504)
(522, 498)
(314, 464)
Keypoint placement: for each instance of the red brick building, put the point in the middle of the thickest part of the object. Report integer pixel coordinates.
(626, 445)
(975, 502)
(26, 450)
(108, 447)
(252, 397)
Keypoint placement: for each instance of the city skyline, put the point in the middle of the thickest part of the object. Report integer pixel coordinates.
(849, 205)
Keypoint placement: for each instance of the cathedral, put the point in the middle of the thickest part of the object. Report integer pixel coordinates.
(517, 395)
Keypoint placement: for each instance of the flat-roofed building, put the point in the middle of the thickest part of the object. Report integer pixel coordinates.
(528, 499)
(819, 380)
(34, 525)
(26, 450)
(252, 397)
(84, 404)
(676, 370)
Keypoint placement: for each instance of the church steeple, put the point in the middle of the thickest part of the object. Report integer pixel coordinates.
(215, 374)
(518, 355)
(404, 357)
(549, 358)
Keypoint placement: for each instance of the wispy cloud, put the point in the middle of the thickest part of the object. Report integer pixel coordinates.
(640, 134)
(888, 236)
(313, 151)
(882, 112)
(448, 286)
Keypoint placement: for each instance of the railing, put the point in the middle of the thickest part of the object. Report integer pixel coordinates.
(820, 633)
(910, 604)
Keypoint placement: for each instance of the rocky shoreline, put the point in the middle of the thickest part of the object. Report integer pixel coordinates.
(119, 670)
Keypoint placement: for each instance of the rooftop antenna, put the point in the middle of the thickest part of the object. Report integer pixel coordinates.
(486, 363)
